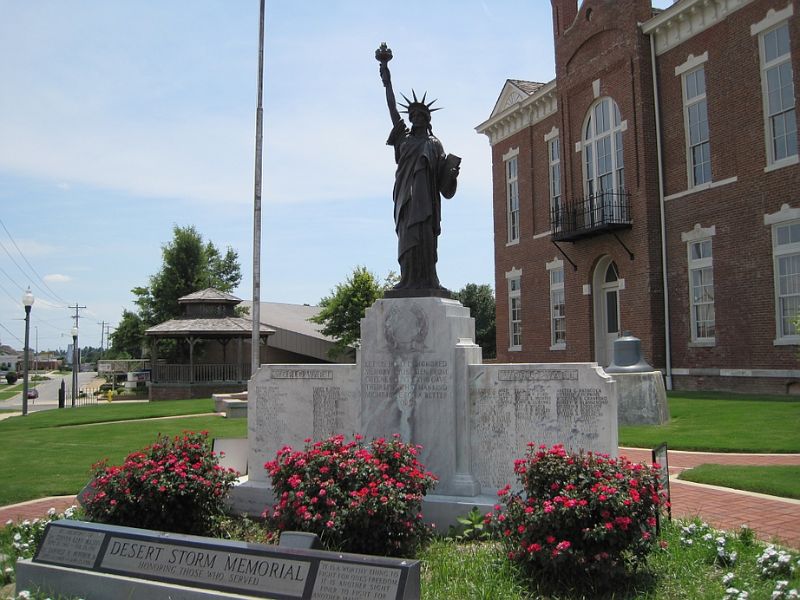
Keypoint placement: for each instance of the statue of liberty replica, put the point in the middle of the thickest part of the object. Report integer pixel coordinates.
(424, 174)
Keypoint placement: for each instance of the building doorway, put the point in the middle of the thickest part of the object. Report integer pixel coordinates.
(606, 286)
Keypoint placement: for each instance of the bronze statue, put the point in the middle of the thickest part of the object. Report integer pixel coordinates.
(424, 172)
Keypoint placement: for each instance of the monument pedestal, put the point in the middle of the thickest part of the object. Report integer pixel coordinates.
(414, 359)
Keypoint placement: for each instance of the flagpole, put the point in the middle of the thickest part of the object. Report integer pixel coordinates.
(255, 311)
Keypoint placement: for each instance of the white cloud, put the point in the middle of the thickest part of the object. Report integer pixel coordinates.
(57, 278)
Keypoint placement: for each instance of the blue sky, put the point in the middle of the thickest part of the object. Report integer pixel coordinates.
(119, 120)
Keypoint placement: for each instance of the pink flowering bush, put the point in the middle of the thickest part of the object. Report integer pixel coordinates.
(172, 485)
(579, 517)
(355, 497)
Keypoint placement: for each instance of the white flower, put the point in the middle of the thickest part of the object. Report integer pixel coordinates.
(727, 578)
(9, 523)
(23, 595)
(51, 512)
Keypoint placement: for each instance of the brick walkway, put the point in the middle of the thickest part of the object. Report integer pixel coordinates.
(773, 519)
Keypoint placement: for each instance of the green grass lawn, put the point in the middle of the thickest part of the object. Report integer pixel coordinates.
(480, 571)
(50, 453)
(106, 412)
(9, 391)
(718, 422)
(783, 481)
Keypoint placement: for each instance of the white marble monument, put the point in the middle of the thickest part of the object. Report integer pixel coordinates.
(420, 374)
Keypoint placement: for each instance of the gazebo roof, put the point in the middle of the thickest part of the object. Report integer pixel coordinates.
(219, 327)
(209, 296)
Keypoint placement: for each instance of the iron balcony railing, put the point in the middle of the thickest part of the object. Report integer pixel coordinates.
(599, 213)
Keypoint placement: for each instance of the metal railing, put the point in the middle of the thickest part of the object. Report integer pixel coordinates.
(592, 215)
(200, 373)
(91, 395)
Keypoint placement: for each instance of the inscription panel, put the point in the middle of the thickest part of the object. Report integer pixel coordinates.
(198, 565)
(396, 388)
(344, 581)
(297, 402)
(69, 547)
(512, 406)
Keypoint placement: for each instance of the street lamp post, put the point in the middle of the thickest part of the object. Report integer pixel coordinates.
(27, 301)
(74, 364)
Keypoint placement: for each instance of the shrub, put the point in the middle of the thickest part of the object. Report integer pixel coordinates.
(173, 485)
(580, 518)
(11, 377)
(357, 498)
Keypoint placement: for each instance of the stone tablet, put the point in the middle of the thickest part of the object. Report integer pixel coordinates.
(511, 405)
(291, 403)
(221, 565)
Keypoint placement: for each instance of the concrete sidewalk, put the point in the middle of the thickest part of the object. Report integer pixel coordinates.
(771, 518)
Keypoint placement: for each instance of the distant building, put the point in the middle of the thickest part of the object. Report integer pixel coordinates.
(652, 187)
(215, 344)
(8, 358)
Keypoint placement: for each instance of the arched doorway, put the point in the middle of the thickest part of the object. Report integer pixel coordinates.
(606, 286)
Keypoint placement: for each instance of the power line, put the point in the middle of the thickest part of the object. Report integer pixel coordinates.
(53, 294)
(14, 300)
(8, 277)
(11, 334)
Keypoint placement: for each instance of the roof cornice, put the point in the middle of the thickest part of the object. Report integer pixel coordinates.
(525, 113)
(686, 18)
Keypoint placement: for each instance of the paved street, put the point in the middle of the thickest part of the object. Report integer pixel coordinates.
(48, 392)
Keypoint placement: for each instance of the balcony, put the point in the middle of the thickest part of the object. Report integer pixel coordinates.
(603, 212)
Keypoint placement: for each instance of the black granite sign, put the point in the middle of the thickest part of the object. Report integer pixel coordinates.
(257, 570)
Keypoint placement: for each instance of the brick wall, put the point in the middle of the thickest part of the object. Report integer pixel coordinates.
(607, 46)
(601, 40)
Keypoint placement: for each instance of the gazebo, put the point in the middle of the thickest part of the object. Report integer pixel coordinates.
(207, 316)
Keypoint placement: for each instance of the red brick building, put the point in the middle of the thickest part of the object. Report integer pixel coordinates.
(654, 187)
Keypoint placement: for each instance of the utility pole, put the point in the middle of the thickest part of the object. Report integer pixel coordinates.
(75, 351)
(102, 332)
(108, 335)
(255, 311)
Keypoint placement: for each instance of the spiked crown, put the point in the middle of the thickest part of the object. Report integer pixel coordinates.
(417, 104)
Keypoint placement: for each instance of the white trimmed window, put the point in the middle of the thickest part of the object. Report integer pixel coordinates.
(602, 146)
(603, 166)
(514, 310)
(512, 199)
(696, 123)
(558, 320)
(554, 155)
(777, 87)
(786, 255)
(701, 290)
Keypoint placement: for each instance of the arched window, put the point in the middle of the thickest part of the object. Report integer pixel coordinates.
(604, 169)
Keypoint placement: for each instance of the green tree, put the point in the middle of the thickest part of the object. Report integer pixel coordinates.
(343, 310)
(189, 264)
(480, 301)
(127, 338)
